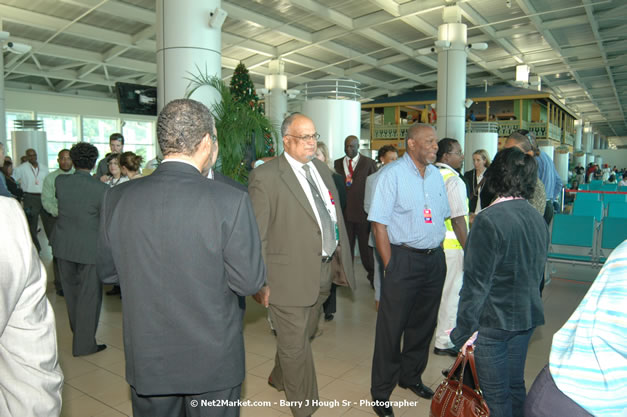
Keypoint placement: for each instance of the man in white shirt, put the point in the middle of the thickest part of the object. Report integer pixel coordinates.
(449, 160)
(29, 366)
(30, 175)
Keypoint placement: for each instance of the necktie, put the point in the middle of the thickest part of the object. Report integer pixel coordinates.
(328, 231)
(350, 167)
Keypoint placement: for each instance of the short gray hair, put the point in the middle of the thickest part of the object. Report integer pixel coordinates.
(287, 122)
(413, 130)
(181, 126)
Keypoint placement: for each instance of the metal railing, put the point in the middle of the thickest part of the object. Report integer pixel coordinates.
(335, 89)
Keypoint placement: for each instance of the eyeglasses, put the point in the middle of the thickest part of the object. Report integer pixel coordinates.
(457, 153)
(315, 137)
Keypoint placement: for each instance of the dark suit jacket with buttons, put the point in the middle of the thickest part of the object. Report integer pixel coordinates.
(75, 233)
(355, 193)
(184, 249)
(291, 237)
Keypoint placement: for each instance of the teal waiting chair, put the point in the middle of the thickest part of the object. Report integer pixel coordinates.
(588, 208)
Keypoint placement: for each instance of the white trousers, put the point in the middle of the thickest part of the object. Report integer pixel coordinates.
(447, 314)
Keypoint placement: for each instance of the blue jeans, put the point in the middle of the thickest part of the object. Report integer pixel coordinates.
(500, 358)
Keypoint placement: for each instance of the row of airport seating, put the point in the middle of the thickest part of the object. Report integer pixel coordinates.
(582, 241)
(598, 185)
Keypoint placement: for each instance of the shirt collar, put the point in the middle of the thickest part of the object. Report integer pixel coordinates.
(296, 165)
(355, 159)
(447, 166)
(410, 163)
(184, 161)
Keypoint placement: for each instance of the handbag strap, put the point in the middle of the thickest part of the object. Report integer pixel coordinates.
(471, 360)
(458, 362)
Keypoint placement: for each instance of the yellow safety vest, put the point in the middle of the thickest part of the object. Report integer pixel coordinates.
(450, 239)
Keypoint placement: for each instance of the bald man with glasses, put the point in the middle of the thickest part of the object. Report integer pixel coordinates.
(305, 248)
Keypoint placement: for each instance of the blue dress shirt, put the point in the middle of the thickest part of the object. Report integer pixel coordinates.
(3, 187)
(549, 176)
(400, 198)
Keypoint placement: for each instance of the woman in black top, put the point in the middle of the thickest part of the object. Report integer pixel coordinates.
(481, 161)
(500, 298)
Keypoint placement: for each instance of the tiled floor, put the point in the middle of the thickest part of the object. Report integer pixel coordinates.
(95, 384)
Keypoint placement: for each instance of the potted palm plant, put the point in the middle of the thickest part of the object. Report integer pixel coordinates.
(241, 127)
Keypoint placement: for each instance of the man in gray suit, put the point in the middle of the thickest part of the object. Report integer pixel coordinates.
(302, 230)
(73, 241)
(184, 249)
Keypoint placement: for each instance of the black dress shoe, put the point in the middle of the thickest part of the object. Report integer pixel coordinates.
(420, 390)
(60, 293)
(382, 411)
(114, 291)
(101, 348)
(271, 383)
(328, 317)
(445, 352)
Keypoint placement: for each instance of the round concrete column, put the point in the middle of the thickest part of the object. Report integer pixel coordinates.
(561, 165)
(451, 46)
(276, 98)
(578, 134)
(188, 43)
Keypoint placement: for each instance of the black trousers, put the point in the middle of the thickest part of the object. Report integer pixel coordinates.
(546, 400)
(48, 221)
(361, 232)
(32, 208)
(408, 309)
(187, 405)
(83, 298)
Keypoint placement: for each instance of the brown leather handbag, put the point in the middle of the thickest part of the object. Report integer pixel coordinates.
(459, 394)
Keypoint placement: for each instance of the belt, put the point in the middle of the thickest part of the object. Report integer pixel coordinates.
(32, 193)
(421, 251)
(327, 259)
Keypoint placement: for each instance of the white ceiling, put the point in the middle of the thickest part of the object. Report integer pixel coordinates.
(82, 47)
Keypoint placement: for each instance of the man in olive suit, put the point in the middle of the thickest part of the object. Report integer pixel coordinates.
(305, 247)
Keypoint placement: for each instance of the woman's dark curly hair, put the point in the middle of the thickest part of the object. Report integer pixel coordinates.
(385, 149)
(110, 157)
(84, 155)
(512, 174)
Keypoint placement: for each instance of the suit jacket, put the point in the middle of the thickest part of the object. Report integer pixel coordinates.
(290, 235)
(75, 232)
(184, 249)
(355, 193)
(217, 176)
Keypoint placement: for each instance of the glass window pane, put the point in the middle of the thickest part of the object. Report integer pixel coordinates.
(61, 132)
(97, 131)
(11, 116)
(139, 137)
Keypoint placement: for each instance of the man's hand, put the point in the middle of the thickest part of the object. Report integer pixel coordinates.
(263, 296)
(105, 178)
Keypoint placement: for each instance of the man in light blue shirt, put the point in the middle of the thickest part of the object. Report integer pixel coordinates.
(549, 177)
(408, 211)
(586, 374)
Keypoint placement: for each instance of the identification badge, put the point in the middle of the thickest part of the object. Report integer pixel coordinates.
(349, 180)
(427, 215)
(331, 197)
(337, 233)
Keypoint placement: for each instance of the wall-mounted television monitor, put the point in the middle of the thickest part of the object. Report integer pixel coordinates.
(136, 99)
